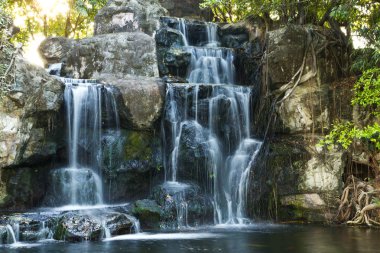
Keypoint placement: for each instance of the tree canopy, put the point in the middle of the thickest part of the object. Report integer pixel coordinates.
(68, 18)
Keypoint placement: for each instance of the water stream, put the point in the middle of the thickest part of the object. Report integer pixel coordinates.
(209, 119)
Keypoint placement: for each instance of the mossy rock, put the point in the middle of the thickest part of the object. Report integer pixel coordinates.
(148, 212)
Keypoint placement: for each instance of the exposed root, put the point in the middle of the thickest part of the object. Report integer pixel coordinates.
(360, 204)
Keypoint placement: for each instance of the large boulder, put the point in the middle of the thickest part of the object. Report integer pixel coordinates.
(183, 204)
(148, 212)
(301, 63)
(143, 100)
(91, 225)
(304, 180)
(186, 8)
(119, 54)
(29, 116)
(54, 50)
(129, 16)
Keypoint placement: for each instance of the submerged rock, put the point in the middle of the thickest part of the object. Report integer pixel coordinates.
(129, 16)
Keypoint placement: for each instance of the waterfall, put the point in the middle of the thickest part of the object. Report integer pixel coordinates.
(11, 236)
(208, 124)
(89, 108)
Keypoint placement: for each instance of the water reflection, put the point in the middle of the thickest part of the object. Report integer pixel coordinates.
(253, 239)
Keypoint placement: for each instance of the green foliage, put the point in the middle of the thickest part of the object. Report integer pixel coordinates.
(367, 96)
(367, 91)
(365, 58)
(7, 51)
(68, 18)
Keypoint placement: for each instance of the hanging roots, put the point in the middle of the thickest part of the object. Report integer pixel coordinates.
(360, 204)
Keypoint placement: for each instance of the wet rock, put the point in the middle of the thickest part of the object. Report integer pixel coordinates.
(148, 212)
(74, 227)
(193, 153)
(307, 181)
(90, 226)
(119, 54)
(118, 224)
(129, 16)
(184, 200)
(168, 37)
(141, 162)
(197, 32)
(3, 234)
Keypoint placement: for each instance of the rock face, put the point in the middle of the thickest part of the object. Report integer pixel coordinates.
(28, 115)
(300, 72)
(29, 119)
(118, 54)
(129, 16)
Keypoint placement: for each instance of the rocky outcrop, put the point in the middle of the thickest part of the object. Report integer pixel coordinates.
(119, 54)
(29, 116)
(301, 66)
(55, 49)
(129, 16)
(29, 120)
(186, 9)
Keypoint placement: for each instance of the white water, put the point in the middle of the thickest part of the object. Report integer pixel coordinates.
(164, 236)
(89, 106)
(219, 114)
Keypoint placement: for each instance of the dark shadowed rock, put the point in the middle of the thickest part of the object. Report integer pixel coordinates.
(148, 212)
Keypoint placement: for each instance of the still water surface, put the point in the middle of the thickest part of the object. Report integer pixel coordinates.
(252, 239)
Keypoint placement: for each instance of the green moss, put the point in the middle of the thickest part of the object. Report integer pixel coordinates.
(60, 232)
(138, 146)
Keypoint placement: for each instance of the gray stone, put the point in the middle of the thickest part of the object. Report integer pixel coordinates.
(129, 16)
(28, 116)
(119, 54)
(143, 100)
(186, 8)
(55, 49)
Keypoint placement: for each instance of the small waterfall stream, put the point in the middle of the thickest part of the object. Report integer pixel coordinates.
(210, 118)
(89, 106)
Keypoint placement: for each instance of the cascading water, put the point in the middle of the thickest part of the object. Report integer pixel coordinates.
(208, 124)
(89, 106)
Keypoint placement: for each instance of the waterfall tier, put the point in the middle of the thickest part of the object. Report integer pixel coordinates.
(89, 108)
(207, 132)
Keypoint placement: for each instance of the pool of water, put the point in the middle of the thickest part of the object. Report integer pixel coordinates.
(252, 239)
